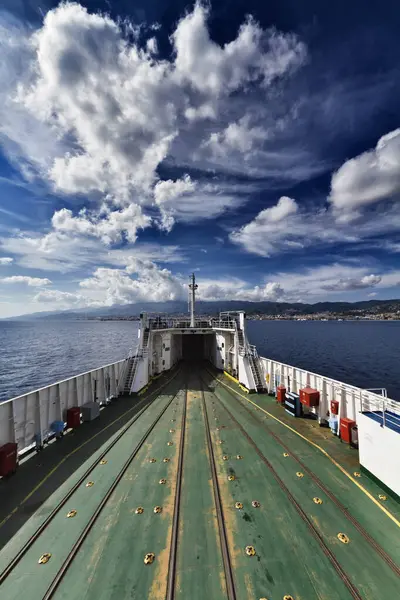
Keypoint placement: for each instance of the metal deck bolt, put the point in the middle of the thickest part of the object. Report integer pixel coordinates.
(149, 558)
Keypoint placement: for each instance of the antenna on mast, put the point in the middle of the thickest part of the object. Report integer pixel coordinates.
(192, 298)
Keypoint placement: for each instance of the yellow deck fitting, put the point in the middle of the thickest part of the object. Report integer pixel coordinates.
(90, 484)
(157, 509)
(357, 474)
(343, 538)
(250, 551)
(152, 460)
(219, 442)
(71, 513)
(285, 454)
(44, 558)
(382, 497)
(238, 505)
(255, 504)
(172, 420)
(149, 558)
(170, 443)
(288, 597)
(231, 478)
(172, 430)
(139, 510)
(317, 500)
(239, 457)
(162, 481)
(225, 457)
(300, 474)
(165, 459)
(103, 462)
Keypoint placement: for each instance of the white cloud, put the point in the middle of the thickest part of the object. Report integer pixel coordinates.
(66, 251)
(30, 281)
(369, 177)
(255, 55)
(167, 190)
(110, 112)
(350, 283)
(109, 226)
(151, 284)
(6, 260)
(288, 227)
(63, 300)
(312, 284)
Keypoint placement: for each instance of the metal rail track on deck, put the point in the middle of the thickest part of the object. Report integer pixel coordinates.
(337, 566)
(10, 567)
(230, 583)
(377, 547)
(175, 523)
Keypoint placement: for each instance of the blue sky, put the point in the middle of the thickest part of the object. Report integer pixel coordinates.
(255, 143)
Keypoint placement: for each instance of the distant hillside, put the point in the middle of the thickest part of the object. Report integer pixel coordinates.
(209, 308)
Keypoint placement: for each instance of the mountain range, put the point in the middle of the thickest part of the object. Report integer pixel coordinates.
(211, 308)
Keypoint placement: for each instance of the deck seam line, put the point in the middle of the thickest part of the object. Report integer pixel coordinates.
(62, 461)
(175, 524)
(373, 543)
(230, 582)
(313, 530)
(338, 465)
(88, 527)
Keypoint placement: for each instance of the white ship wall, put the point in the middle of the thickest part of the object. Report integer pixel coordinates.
(27, 419)
(379, 449)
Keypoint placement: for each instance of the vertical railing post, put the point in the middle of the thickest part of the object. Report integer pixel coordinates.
(383, 413)
(39, 442)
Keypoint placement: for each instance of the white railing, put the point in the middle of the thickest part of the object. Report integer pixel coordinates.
(385, 411)
(29, 419)
(352, 400)
(169, 323)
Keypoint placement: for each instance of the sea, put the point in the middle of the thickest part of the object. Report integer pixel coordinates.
(37, 353)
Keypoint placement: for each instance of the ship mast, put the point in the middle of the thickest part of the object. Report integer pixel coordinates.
(192, 298)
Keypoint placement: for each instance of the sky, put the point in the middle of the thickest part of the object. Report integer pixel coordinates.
(254, 143)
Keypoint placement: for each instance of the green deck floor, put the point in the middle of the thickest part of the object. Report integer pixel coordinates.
(296, 555)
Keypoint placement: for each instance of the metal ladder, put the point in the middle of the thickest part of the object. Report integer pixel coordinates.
(245, 349)
(130, 372)
(253, 360)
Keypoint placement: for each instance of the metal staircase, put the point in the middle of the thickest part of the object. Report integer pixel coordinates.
(255, 368)
(245, 349)
(131, 371)
(132, 363)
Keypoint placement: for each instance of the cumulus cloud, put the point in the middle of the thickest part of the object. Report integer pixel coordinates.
(30, 281)
(111, 111)
(150, 284)
(145, 281)
(109, 226)
(369, 177)
(6, 260)
(289, 227)
(63, 299)
(350, 283)
(254, 56)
